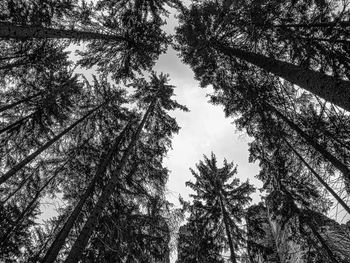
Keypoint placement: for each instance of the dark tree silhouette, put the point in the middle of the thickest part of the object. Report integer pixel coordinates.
(218, 192)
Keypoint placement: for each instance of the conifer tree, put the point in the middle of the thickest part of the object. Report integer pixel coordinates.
(220, 195)
(156, 95)
(208, 35)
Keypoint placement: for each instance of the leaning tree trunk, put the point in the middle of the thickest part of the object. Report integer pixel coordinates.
(32, 156)
(83, 238)
(343, 24)
(24, 32)
(22, 216)
(228, 234)
(319, 178)
(59, 241)
(12, 105)
(20, 186)
(324, 152)
(323, 243)
(328, 40)
(331, 89)
(15, 124)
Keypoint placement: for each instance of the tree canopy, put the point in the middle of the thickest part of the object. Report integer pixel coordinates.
(95, 141)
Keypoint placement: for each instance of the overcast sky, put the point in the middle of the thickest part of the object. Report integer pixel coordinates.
(203, 130)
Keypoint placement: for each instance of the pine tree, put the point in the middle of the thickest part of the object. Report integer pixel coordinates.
(156, 95)
(205, 38)
(199, 241)
(218, 193)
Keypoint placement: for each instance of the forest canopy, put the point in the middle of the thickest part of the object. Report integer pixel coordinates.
(93, 129)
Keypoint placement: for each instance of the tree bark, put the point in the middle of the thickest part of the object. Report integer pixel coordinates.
(84, 236)
(20, 32)
(228, 234)
(319, 178)
(15, 124)
(19, 187)
(329, 40)
(11, 57)
(322, 24)
(30, 205)
(32, 156)
(10, 66)
(331, 89)
(324, 152)
(324, 245)
(12, 105)
(59, 241)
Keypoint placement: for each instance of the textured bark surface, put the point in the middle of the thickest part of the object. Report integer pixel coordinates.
(327, 87)
(12, 31)
(323, 24)
(289, 250)
(261, 246)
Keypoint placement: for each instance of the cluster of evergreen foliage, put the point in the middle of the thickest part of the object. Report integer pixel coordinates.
(95, 144)
(281, 68)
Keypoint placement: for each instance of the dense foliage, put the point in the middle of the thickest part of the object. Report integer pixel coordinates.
(95, 144)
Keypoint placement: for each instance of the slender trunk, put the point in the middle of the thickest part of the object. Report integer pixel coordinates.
(21, 217)
(321, 240)
(83, 238)
(32, 156)
(324, 152)
(228, 234)
(20, 32)
(10, 66)
(59, 241)
(332, 41)
(12, 57)
(12, 105)
(19, 187)
(334, 138)
(327, 87)
(319, 178)
(36, 257)
(15, 124)
(322, 24)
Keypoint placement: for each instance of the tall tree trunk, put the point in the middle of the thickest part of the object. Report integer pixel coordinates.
(329, 40)
(21, 217)
(319, 178)
(59, 241)
(83, 238)
(343, 24)
(11, 57)
(19, 187)
(21, 32)
(309, 140)
(15, 124)
(10, 66)
(327, 87)
(12, 105)
(32, 156)
(323, 243)
(228, 234)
